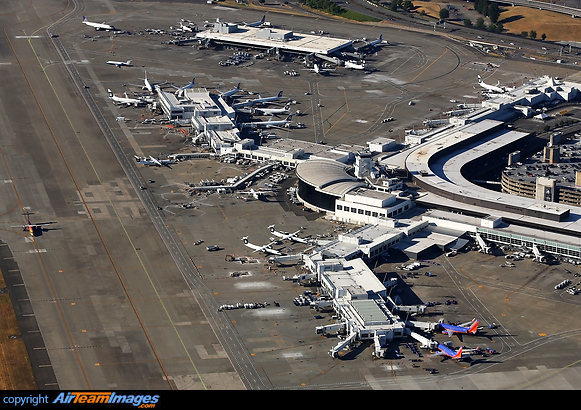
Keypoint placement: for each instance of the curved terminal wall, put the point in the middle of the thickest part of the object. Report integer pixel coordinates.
(420, 163)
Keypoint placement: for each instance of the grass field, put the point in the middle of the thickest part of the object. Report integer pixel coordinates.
(15, 370)
(557, 26)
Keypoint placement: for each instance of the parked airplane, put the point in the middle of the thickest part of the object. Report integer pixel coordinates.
(126, 100)
(288, 236)
(446, 351)
(151, 161)
(231, 92)
(272, 111)
(372, 44)
(98, 26)
(265, 248)
(470, 327)
(180, 90)
(494, 88)
(120, 64)
(34, 229)
(354, 65)
(255, 194)
(270, 123)
(317, 69)
(147, 85)
(259, 100)
(539, 256)
(256, 23)
(185, 28)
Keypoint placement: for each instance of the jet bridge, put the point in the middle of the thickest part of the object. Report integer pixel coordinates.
(425, 343)
(341, 345)
(484, 248)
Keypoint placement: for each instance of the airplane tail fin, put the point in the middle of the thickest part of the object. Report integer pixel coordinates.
(474, 327)
(84, 18)
(279, 94)
(263, 18)
(110, 92)
(128, 62)
(290, 117)
(458, 354)
(479, 79)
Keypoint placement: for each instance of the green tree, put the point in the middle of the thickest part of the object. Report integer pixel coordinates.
(499, 27)
(407, 5)
(479, 22)
(533, 34)
(493, 12)
(543, 36)
(524, 34)
(444, 13)
(467, 23)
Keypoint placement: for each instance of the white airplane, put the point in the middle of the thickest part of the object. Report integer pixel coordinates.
(185, 28)
(125, 100)
(231, 92)
(373, 43)
(151, 161)
(288, 236)
(494, 88)
(256, 23)
(272, 111)
(180, 90)
(120, 64)
(265, 248)
(259, 100)
(98, 26)
(354, 65)
(147, 85)
(269, 123)
(255, 194)
(317, 69)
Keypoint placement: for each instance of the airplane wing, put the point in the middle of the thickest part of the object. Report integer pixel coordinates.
(468, 324)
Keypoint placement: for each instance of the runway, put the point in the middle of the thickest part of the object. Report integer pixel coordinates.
(120, 293)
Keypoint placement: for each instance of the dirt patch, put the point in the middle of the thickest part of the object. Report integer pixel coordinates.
(556, 26)
(15, 369)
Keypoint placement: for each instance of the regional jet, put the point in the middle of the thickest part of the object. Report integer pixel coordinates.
(125, 100)
(318, 69)
(34, 229)
(255, 194)
(265, 248)
(256, 23)
(270, 123)
(147, 85)
(494, 88)
(470, 327)
(288, 236)
(120, 64)
(354, 65)
(98, 26)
